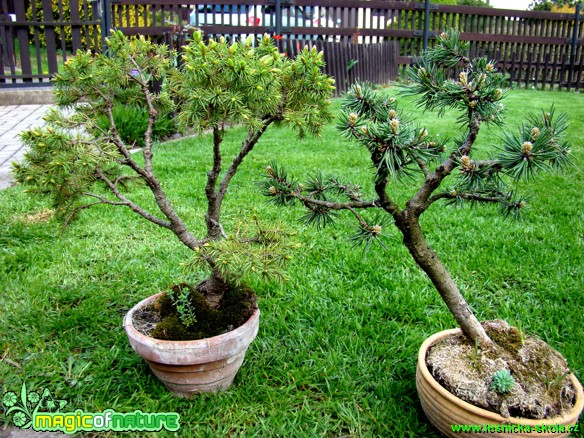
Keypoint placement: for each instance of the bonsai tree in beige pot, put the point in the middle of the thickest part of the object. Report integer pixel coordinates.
(505, 375)
(79, 164)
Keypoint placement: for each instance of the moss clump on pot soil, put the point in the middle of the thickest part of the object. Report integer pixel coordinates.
(541, 388)
(236, 307)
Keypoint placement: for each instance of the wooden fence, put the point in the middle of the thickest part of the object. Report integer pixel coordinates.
(36, 38)
(348, 62)
(536, 49)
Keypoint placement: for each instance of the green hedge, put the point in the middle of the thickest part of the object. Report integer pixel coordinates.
(65, 32)
(132, 121)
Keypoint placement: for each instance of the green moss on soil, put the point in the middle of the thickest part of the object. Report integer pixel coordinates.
(235, 309)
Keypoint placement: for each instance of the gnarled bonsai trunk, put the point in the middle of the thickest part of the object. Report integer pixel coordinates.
(431, 264)
(213, 289)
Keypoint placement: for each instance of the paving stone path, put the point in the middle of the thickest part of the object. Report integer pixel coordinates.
(13, 120)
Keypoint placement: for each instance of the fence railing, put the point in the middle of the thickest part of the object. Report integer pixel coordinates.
(540, 49)
(536, 49)
(36, 40)
(348, 62)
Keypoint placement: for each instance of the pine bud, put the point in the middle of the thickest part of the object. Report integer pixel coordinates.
(394, 126)
(490, 67)
(353, 117)
(376, 230)
(467, 164)
(526, 148)
(272, 190)
(269, 171)
(453, 192)
(423, 133)
(482, 79)
(535, 133)
(462, 77)
(522, 204)
(392, 114)
(391, 99)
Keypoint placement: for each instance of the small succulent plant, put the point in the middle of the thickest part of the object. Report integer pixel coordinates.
(502, 382)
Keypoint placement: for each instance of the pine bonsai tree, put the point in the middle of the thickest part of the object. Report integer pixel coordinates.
(79, 164)
(400, 151)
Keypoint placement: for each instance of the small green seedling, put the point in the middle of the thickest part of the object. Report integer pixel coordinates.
(184, 307)
(502, 382)
(475, 357)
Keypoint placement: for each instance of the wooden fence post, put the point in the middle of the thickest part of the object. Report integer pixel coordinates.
(574, 45)
(105, 15)
(426, 24)
(23, 42)
(50, 36)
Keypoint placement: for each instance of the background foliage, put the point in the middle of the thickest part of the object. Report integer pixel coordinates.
(132, 121)
(62, 12)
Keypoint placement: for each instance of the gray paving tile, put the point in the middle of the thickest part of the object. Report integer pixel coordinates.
(13, 120)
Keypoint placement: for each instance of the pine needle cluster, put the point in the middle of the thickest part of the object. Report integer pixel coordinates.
(211, 86)
(437, 171)
(399, 148)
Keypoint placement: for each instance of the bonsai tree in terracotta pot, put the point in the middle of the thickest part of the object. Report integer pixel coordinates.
(80, 164)
(401, 151)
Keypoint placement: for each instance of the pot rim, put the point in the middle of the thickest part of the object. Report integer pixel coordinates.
(570, 417)
(128, 325)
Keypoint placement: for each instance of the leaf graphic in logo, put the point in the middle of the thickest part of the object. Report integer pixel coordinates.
(22, 416)
(33, 399)
(19, 419)
(9, 399)
(50, 403)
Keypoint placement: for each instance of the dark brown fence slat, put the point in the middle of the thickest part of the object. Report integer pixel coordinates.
(50, 37)
(44, 34)
(22, 37)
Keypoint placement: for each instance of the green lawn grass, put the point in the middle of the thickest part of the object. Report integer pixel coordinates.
(336, 351)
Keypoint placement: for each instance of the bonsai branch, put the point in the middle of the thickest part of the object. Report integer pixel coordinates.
(214, 230)
(147, 149)
(246, 147)
(477, 197)
(349, 205)
(421, 164)
(420, 201)
(125, 201)
(385, 202)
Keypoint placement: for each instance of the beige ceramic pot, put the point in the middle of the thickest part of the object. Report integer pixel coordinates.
(191, 367)
(444, 409)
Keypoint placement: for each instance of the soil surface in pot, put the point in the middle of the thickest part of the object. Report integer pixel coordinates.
(541, 389)
(161, 319)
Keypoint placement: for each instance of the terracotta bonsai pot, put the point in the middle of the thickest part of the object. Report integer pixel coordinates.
(191, 367)
(444, 409)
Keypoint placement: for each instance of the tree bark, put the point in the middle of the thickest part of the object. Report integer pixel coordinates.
(213, 289)
(212, 217)
(431, 264)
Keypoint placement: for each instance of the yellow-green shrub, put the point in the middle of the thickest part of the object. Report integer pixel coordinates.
(62, 12)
